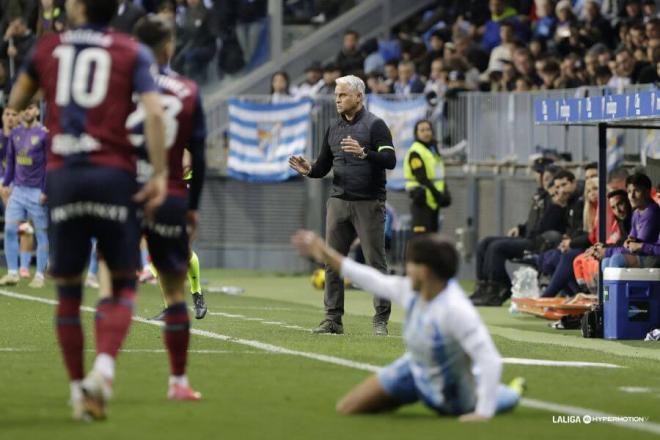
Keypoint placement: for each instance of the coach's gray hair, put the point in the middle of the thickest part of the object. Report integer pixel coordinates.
(353, 82)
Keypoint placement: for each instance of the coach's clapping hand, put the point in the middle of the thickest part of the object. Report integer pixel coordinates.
(350, 145)
(300, 164)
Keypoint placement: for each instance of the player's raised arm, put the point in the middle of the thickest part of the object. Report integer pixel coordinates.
(309, 244)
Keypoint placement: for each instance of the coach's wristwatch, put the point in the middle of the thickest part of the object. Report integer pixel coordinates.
(363, 155)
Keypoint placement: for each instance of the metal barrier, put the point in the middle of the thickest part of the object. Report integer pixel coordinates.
(500, 127)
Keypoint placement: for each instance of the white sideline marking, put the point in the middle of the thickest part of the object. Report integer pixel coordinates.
(134, 350)
(635, 389)
(526, 402)
(550, 363)
(274, 309)
(262, 320)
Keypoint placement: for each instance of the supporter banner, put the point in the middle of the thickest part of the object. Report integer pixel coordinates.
(400, 117)
(263, 136)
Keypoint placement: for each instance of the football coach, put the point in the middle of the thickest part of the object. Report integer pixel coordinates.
(358, 148)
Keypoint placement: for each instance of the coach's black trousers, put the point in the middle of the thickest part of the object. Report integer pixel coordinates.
(346, 220)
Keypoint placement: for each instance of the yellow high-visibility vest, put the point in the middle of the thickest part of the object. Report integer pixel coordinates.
(435, 171)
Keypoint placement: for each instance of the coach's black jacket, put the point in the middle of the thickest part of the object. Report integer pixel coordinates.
(357, 179)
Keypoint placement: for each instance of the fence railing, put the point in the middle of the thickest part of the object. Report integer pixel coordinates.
(498, 127)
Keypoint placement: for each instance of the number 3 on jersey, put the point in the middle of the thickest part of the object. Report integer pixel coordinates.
(82, 78)
(172, 106)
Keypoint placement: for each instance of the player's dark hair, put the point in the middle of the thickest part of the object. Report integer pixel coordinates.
(153, 31)
(618, 192)
(565, 174)
(436, 252)
(640, 180)
(591, 166)
(100, 12)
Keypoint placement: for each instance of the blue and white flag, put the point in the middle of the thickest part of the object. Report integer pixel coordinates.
(263, 136)
(400, 117)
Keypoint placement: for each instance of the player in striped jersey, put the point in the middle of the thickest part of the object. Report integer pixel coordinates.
(451, 363)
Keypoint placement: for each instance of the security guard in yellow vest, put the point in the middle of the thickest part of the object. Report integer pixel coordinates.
(424, 171)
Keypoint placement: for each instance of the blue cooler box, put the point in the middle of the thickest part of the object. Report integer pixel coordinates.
(631, 302)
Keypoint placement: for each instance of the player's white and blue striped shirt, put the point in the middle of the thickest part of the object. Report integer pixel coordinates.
(446, 342)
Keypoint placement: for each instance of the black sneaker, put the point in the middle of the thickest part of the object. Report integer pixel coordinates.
(380, 328)
(200, 305)
(159, 317)
(329, 327)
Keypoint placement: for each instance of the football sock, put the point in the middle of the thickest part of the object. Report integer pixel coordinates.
(176, 333)
(113, 317)
(193, 274)
(69, 330)
(26, 257)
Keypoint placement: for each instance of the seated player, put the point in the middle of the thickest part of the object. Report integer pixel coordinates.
(445, 338)
(642, 247)
(167, 233)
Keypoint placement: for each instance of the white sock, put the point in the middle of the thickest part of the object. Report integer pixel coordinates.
(179, 380)
(76, 390)
(105, 365)
(12, 272)
(39, 275)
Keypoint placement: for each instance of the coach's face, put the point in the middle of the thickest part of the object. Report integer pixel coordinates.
(347, 99)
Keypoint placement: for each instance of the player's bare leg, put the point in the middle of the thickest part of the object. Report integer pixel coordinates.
(367, 397)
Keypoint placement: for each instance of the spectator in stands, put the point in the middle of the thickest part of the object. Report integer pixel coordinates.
(585, 266)
(572, 71)
(16, 45)
(11, 9)
(524, 64)
(565, 19)
(327, 84)
(551, 75)
(642, 247)
(595, 27)
(376, 84)
(280, 88)
(251, 16)
(52, 18)
(128, 14)
(435, 51)
(493, 282)
(503, 52)
(490, 31)
(649, 74)
(626, 71)
(408, 82)
(313, 74)
(649, 10)
(350, 58)
(603, 76)
(544, 27)
(437, 82)
(196, 42)
(633, 12)
(652, 28)
(391, 71)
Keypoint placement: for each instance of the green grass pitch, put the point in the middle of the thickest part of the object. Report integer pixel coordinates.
(251, 393)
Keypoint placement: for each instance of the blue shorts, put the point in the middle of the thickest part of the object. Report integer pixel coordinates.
(24, 203)
(88, 202)
(167, 237)
(398, 382)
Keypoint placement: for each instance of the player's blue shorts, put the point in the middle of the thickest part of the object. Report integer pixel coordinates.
(25, 202)
(398, 382)
(167, 237)
(92, 201)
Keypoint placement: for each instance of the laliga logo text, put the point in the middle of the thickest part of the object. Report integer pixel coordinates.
(588, 419)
